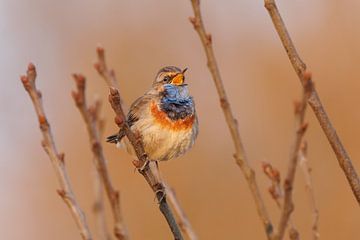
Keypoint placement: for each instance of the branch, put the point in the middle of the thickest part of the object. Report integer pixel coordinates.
(300, 128)
(310, 189)
(277, 194)
(101, 67)
(274, 175)
(146, 168)
(104, 71)
(56, 158)
(90, 117)
(239, 155)
(315, 102)
(99, 208)
(183, 221)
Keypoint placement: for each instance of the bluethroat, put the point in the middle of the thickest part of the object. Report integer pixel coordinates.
(165, 117)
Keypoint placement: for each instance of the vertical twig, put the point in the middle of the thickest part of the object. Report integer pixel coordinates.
(101, 67)
(300, 128)
(90, 117)
(99, 208)
(57, 159)
(310, 189)
(315, 102)
(99, 205)
(239, 155)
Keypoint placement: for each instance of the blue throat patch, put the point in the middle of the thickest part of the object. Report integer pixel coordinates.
(176, 102)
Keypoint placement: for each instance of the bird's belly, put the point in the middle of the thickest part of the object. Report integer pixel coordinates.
(162, 143)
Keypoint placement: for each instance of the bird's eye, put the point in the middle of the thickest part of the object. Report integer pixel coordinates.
(166, 79)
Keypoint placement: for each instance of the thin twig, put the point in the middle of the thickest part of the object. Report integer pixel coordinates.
(310, 189)
(300, 128)
(315, 102)
(277, 194)
(99, 205)
(90, 117)
(57, 159)
(275, 189)
(239, 155)
(99, 208)
(101, 67)
(183, 220)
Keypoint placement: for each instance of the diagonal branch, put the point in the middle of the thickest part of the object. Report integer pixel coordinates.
(109, 76)
(315, 102)
(300, 128)
(90, 117)
(146, 168)
(57, 159)
(239, 155)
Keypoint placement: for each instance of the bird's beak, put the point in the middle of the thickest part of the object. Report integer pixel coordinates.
(179, 78)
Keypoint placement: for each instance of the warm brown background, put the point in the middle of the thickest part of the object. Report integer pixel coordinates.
(141, 36)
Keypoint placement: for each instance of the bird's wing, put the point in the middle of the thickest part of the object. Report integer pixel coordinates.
(135, 112)
(138, 107)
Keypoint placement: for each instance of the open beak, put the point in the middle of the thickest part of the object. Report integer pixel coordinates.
(179, 78)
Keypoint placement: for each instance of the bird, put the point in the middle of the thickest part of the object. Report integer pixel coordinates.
(164, 117)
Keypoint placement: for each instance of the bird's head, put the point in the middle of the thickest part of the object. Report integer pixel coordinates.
(170, 75)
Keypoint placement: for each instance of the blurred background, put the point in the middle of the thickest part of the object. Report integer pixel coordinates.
(60, 38)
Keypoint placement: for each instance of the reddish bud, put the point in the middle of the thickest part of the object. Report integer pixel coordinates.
(137, 163)
(119, 120)
(61, 192)
(100, 50)
(42, 119)
(31, 67)
(61, 157)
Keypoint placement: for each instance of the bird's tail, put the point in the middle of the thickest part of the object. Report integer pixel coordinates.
(115, 138)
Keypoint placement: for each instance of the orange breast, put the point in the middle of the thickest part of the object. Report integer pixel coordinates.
(178, 125)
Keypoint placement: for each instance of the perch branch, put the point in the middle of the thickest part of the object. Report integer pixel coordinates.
(315, 102)
(146, 168)
(183, 221)
(300, 128)
(104, 71)
(57, 159)
(239, 155)
(310, 189)
(90, 117)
